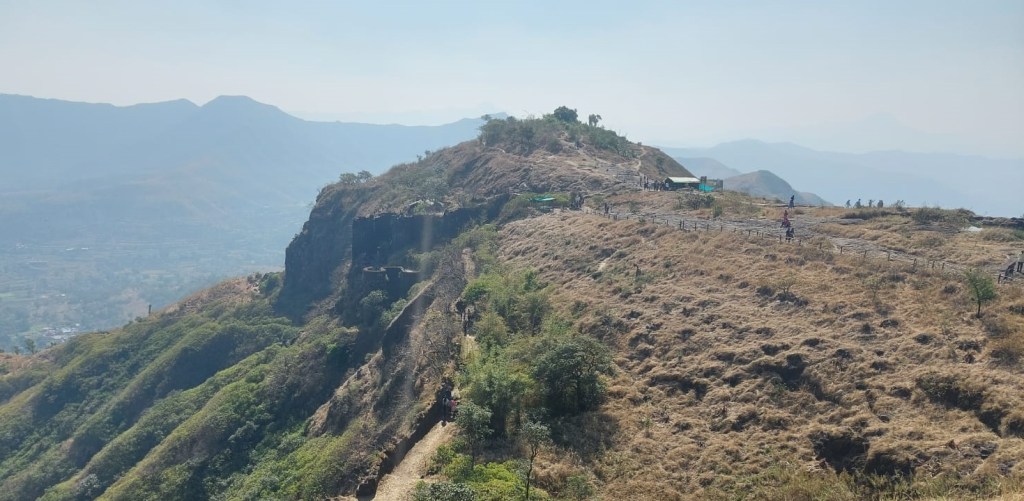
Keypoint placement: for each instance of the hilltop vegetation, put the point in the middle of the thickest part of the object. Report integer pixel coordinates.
(551, 132)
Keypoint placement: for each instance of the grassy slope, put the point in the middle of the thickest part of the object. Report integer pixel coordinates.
(215, 398)
(719, 383)
(118, 394)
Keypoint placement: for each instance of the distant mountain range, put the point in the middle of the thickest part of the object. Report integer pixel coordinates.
(765, 184)
(46, 142)
(170, 196)
(984, 185)
(703, 166)
(760, 183)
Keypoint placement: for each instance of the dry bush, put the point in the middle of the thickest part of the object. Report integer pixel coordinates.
(1008, 349)
(1002, 235)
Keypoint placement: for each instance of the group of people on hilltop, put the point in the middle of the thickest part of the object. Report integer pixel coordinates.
(448, 404)
(790, 231)
(871, 203)
(649, 184)
(576, 200)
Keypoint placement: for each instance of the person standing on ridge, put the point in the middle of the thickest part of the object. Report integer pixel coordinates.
(791, 199)
(1020, 262)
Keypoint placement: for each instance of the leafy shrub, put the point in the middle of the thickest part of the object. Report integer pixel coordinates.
(492, 481)
(695, 201)
(443, 491)
(502, 388)
(980, 286)
(474, 421)
(443, 456)
(578, 487)
(717, 210)
(569, 371)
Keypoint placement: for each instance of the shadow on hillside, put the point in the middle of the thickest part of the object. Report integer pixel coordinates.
(589, 434)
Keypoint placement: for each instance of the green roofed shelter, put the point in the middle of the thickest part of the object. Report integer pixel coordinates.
(675, 183)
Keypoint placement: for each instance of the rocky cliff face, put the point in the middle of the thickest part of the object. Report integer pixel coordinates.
(367, 224)
(375, 239)
(313, 259)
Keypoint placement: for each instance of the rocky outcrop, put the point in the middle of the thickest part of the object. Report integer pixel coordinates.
(376, 239)
(313, 259)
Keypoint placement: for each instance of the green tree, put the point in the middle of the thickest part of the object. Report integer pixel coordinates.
(497, 385)
(569, 371)
(30, 345)
(593, 119)
(473, 421)
(565, 114)
(363, 176)
(981, 287)
(578, 487)
(534, 436)
(491, 332)
(443, 491)
(372, 305)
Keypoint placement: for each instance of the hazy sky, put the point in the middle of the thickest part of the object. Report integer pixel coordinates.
(675, 72)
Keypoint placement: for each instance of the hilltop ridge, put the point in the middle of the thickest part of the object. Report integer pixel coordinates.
(470, 174)
(640, 344)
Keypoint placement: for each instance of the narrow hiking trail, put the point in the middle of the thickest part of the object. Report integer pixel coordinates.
(399, 484)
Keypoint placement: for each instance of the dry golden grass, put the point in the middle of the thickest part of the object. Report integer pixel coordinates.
(239, 290)
(11, 363)
(737, 354)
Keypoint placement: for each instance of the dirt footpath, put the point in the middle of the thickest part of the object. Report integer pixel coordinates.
(398, 485)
